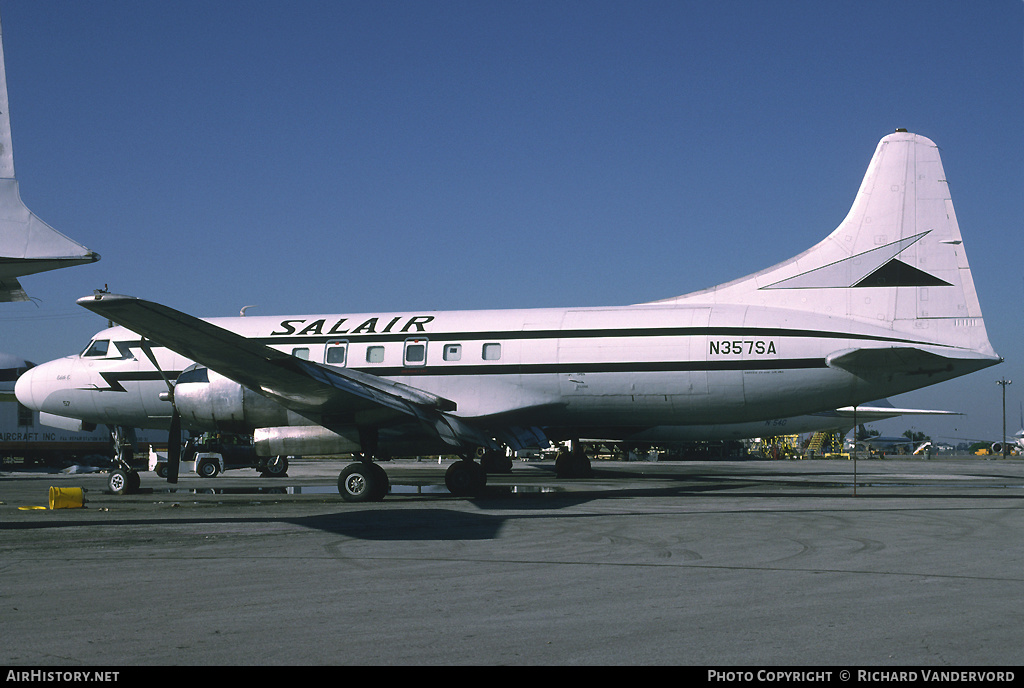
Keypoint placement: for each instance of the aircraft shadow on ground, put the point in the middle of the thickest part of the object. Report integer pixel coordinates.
(441, 517)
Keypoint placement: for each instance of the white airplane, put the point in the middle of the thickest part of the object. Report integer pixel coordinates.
(883, 305)
(27, 244)
(1011, 444)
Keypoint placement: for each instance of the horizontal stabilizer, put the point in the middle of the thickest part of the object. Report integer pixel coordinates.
(868, 413)
(898, 360)
(27, 244)
(11, 290)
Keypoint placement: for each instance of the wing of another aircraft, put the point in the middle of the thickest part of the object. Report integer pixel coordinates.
(329, 396)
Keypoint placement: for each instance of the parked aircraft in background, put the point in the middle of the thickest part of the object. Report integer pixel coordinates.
(1015, 444)
(27, 244)
(883, 305)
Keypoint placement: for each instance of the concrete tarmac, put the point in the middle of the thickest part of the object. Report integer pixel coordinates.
(719, 564)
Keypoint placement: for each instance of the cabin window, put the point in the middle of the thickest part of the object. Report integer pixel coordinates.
(336, 353)
(415, 352)
(97, 348)
(375, 354)
(453, 352)
(492, 352)
(301, 352)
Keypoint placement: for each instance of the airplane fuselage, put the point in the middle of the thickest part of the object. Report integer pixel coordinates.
(649, 371)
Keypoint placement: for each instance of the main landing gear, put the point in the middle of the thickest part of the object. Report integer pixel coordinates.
(465, 478)
(573, 463)
(363, 481)
(366, 481)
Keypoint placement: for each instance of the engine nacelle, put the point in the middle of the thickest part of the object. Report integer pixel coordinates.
(309, 440)
(315, 440)
(207, 400)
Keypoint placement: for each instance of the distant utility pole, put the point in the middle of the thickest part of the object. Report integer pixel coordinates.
(1006, 447)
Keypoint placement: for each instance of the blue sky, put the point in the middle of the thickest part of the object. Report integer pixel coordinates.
(376, 156)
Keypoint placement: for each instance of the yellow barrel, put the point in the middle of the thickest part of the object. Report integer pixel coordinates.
(66, 498)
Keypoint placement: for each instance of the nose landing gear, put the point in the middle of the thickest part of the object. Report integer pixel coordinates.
(123, 479)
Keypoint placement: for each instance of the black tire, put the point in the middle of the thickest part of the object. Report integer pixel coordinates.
(119, 482)
(384, 486)
(563, 465)
(361, 482)
(465, 479)
(207, 468)
(575, 464)
(275, 467)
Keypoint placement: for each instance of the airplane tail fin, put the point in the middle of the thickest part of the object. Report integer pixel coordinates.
(27, 244)
(896, 261)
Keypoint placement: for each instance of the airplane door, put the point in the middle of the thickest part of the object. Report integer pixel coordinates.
(537, 351)
(576, 354)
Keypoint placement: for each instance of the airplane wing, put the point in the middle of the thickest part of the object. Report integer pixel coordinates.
(341, 396)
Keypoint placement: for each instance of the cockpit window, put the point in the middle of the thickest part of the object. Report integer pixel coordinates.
(194, 373)
(97, 348)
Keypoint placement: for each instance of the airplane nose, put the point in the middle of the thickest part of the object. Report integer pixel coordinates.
(35, 385)
(23, 388)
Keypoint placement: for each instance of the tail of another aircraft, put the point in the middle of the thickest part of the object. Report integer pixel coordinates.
(897, 261)
(27, 244)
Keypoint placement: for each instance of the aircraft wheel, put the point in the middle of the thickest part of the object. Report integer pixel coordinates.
(134, 481)
(384, 486)
(275, 467)
(563, 465)
(575, 464)
(208, 469)
(119, 482)
(465, 478)
(361, 482)
(583, 469)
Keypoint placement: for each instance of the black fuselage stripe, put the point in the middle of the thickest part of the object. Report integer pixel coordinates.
(115, 378)
(515, 335)
(636, 367)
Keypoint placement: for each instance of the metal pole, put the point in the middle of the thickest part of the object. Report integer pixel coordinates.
(855, 450)
(1006, 447)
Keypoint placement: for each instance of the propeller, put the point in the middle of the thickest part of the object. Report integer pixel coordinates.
(174, 433)
(174, 447)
